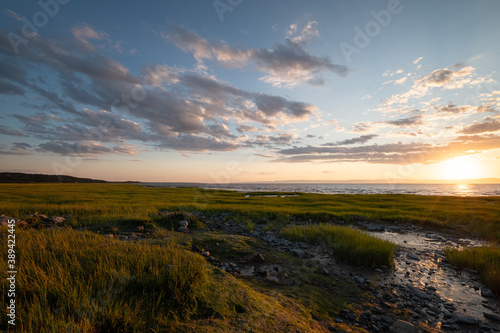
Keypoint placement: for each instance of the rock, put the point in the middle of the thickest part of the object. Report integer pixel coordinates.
(269, 237)
(417, 292)
(491, 316)
(412, 256)
(205, 254)
(401, 326)
(466, 320)
(375, 228)
(485, 292)
(109, 236)
(183, 223)
(183, 229)
(324, 271)
(140, 228)
(195, 248)
(298, 252)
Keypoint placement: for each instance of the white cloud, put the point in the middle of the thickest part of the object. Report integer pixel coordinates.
(400, 81)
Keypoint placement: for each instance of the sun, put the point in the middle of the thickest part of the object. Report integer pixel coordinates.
(466, 167)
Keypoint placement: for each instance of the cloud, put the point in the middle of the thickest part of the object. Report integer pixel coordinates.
(361, 139)
(13, 132)
(400, 81)
(489, 124)
(83, 149)
(301, 37)
(271, 140)
(392, 153)
(246, 128)
(414, 120)
(446, 78)
(451, 108)
(417, 60)
(285, 64)
(13, 15)
(180, 109)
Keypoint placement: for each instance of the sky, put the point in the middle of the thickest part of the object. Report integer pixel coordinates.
(246, 91)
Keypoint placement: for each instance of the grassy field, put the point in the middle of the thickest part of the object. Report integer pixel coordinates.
(348, 245)
(78, 281)
(111, 203)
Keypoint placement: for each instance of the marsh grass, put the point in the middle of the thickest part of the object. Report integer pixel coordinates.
(348, 245)
(71, 279)
(78, 281)
(485, 260)
(93, 204)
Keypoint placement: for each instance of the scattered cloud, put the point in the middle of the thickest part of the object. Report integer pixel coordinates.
(417, 60)
(184, 110)
(13, 15)
(359, 140)
(401, 80)
(489, 124)
(285, 64)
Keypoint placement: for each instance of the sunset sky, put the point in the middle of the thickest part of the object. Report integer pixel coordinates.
(243, 91)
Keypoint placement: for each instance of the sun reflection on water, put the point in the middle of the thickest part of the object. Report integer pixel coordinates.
(463, 189)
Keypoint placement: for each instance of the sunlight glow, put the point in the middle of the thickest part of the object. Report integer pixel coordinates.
(461, 168)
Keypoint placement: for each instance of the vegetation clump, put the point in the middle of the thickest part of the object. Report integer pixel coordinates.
(485, 260)
(348, 245)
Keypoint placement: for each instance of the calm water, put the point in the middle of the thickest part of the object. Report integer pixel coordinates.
(419, 189)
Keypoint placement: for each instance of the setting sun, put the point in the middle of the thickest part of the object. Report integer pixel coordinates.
(461, 168)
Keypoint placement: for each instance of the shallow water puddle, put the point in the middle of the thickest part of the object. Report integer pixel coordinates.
(420, 263)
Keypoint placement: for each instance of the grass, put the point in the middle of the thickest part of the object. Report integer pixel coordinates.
(93, 204)
(73, 279)
(485, 260)
(348, 245)
(78, 281)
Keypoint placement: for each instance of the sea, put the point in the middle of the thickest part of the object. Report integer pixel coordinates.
(469, 190)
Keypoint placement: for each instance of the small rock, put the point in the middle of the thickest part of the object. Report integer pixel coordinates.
(109, 236)
(467, 320)
(485, 292)
(491, 316)
(401, 326)
(140, 228)
(412, 256)
(205, 254)
(183, 229)
(298, 252)
(183, 223)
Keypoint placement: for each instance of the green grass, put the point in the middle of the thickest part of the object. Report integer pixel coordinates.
(78, 281)
(485, 260)
(111, 203)
(348, 245)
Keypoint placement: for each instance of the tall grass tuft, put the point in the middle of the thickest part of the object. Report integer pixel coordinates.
(485, 260)
(72, 281)
(348, 245)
